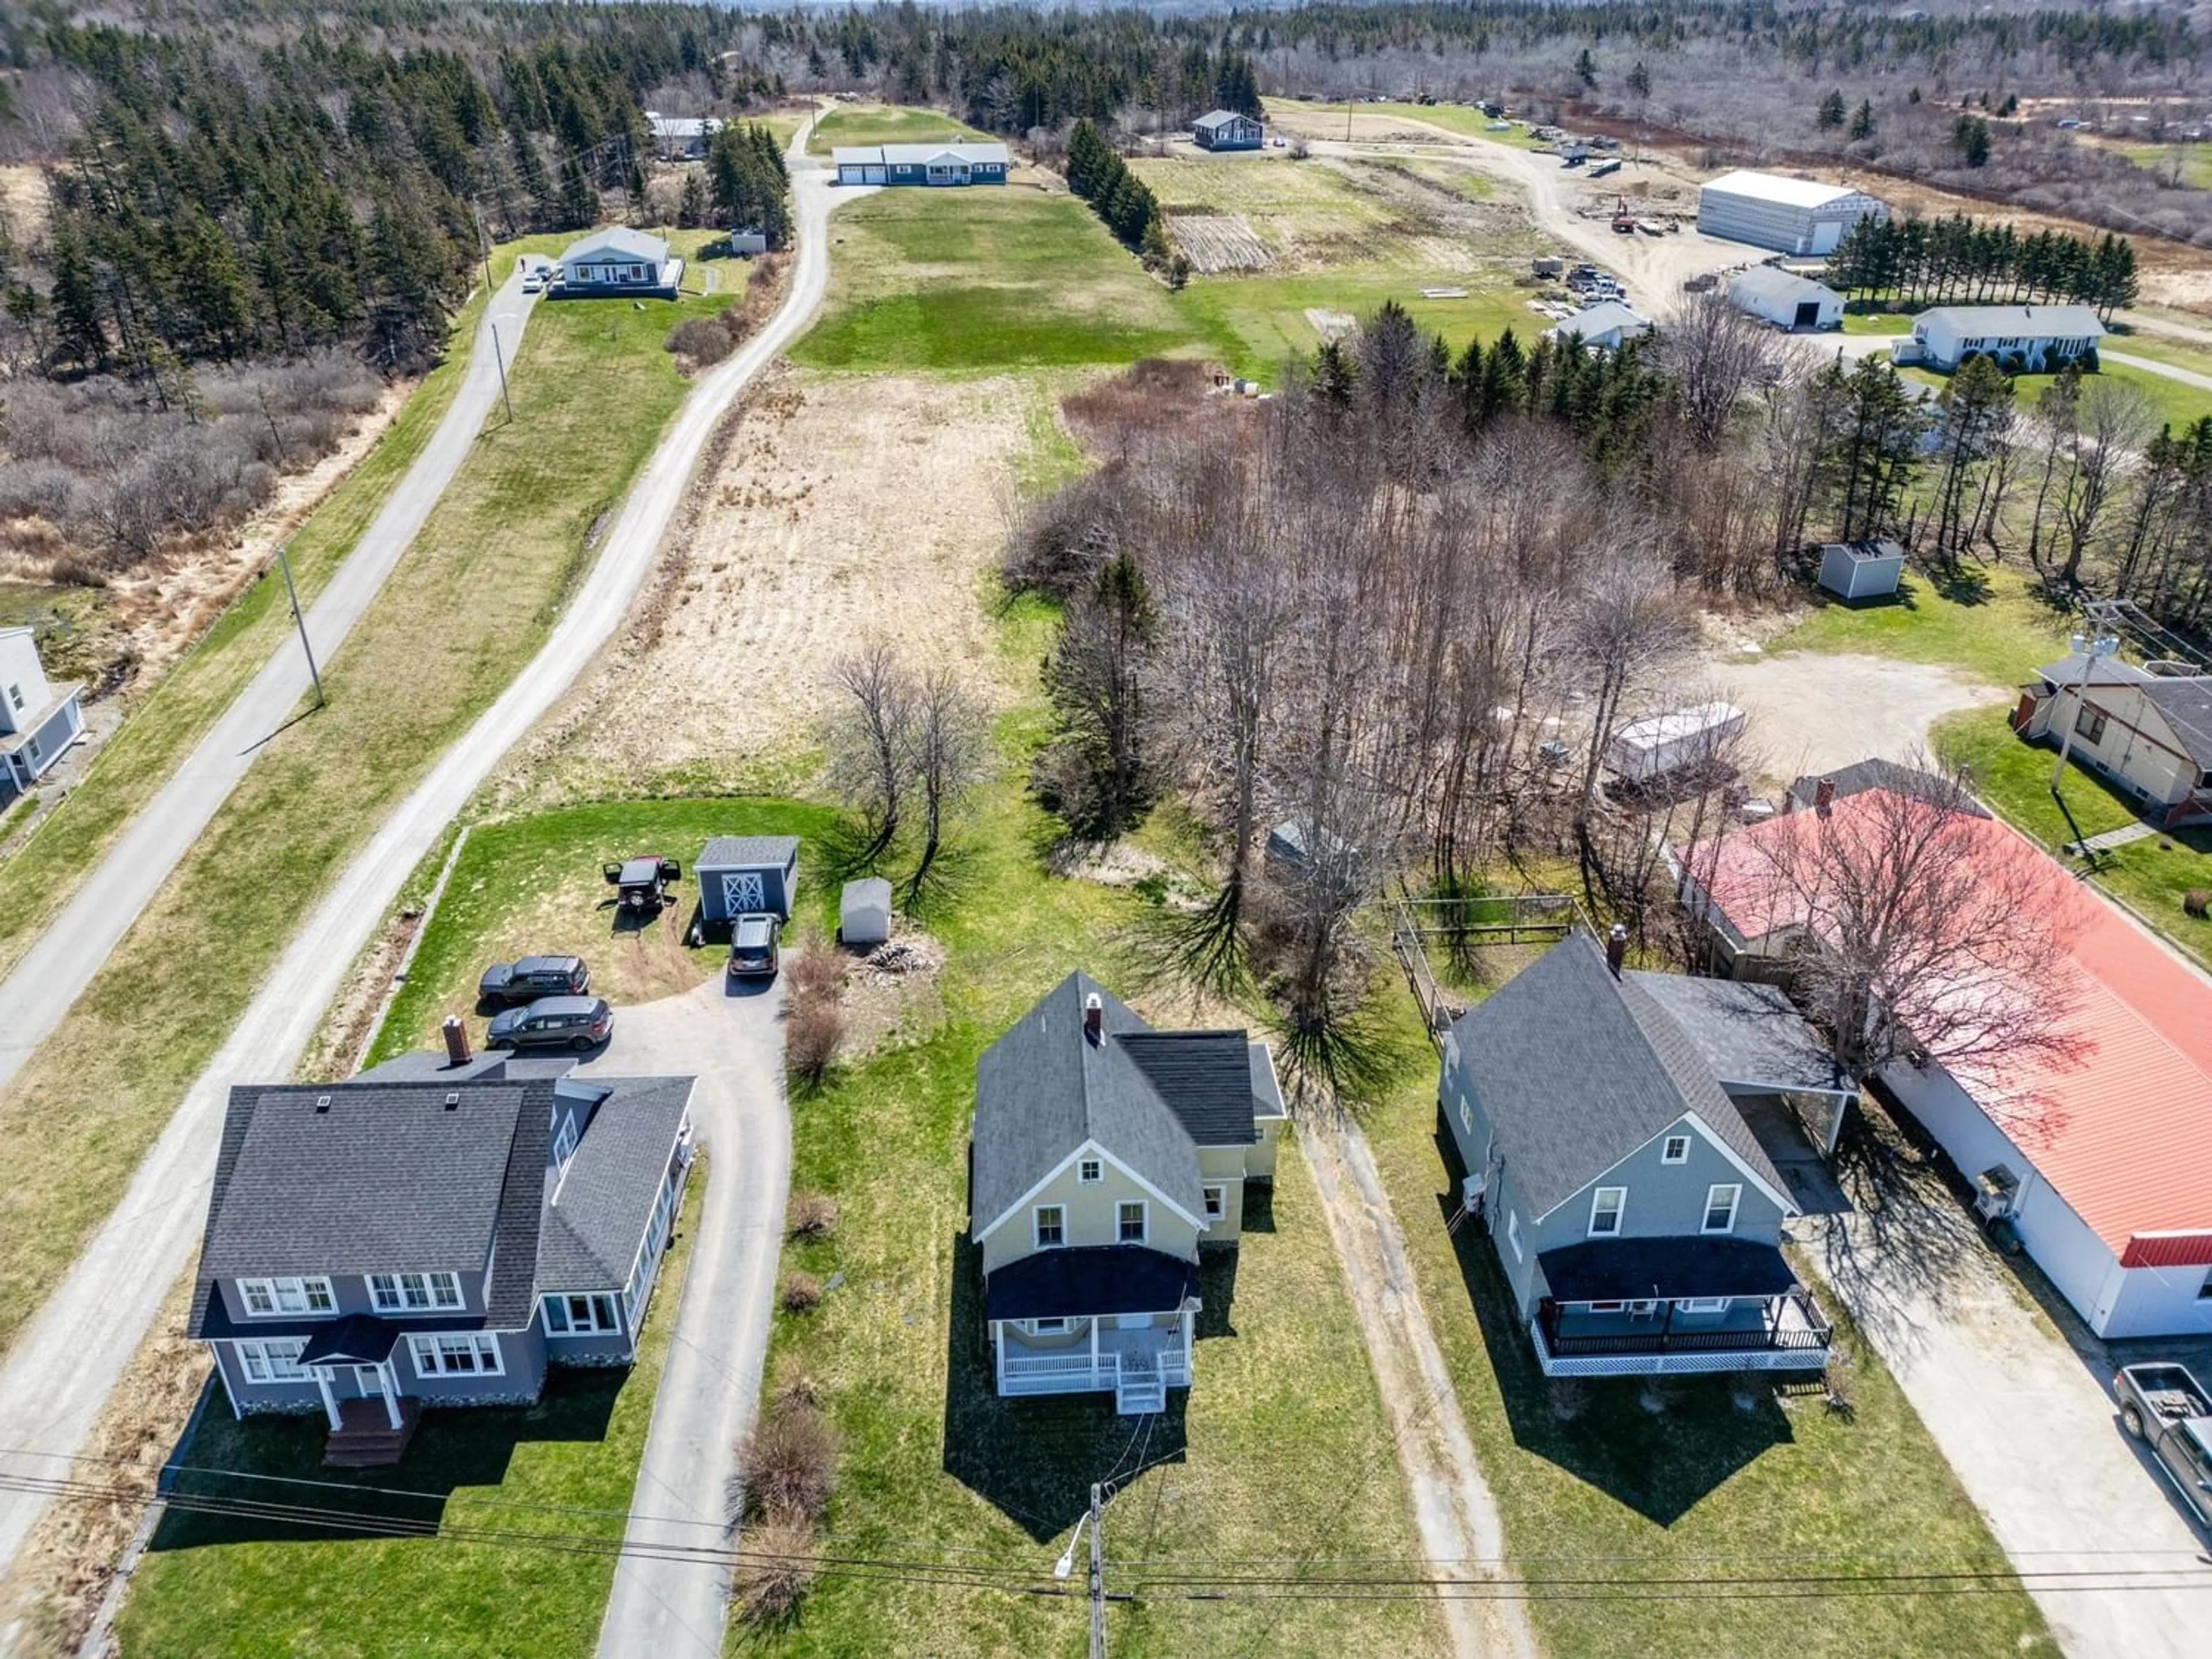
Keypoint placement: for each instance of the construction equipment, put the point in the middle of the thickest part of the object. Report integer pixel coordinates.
(1623, 221)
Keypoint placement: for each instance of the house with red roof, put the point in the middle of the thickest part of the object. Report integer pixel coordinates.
(2102, 1141)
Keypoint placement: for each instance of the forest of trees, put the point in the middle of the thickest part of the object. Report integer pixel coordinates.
(1955, 260)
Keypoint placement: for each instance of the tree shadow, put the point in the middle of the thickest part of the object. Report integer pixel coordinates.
(249, 1473)
(1659, 1446)
(1036, 1459)
(1960, 583)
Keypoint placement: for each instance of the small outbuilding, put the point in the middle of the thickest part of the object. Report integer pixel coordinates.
(1862, 570)
(1606, 326)
(1785, 299)
(747, 875)
(864, 912)
(1660, 744)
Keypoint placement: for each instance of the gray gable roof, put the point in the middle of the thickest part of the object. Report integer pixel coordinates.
(728, 852)
(1877, 773)
(2187, 703)
(1749, 1035)
(1576, 1070)
(1214, 119)
(595, 1219)
(1149, 1098)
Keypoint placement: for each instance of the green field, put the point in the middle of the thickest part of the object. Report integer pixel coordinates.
(882, 124)
(2191, 164)
(1452, 118)
(564, 1469)
(2172, 401)
(467, 607)
(1877, 322)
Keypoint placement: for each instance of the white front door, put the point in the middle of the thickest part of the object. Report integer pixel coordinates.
(743, 892)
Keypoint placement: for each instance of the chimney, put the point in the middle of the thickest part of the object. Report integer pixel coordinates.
(1824, 796)
(1094, 1018)
(457, 1040)
(1616, 947)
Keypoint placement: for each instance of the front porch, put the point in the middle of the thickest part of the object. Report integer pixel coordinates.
(1097, 1356)
(1784, 1333)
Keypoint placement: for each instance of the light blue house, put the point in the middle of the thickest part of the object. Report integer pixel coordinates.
(617, 262)
(921, 164)
(39, 719)
(1599, 1119)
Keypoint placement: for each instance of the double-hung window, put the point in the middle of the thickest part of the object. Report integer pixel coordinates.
(1129, 1221)
(415, 1292)
(1607, 1205)
(462, 1354)
(1217, 1203)
(1720, 1208)
(581, 1315)
(1089, 1172)
(1051, 1226)
(275, 1361)
(273, 1298)
(2090, 723)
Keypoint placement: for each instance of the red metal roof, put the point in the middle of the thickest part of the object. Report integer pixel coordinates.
(2121, 1125)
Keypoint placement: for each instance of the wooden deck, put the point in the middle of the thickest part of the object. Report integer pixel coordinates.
(365, 1438)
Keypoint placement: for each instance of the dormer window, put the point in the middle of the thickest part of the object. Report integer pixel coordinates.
(564, 1144)
(415, 1292)
(273, 1298)
(1089, 1172)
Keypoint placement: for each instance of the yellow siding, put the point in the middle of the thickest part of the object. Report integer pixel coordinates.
(1093, 1212)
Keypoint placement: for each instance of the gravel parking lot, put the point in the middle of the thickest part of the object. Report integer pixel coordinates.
(1812, 713)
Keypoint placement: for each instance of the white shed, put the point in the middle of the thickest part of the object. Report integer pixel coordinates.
(864, 912)
(1650, 748)
(1861, 570)
(1785, 299)
(1606, 325)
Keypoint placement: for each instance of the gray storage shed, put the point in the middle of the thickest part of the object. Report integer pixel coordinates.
(747, 875)
(864, 912)
(1862, 570)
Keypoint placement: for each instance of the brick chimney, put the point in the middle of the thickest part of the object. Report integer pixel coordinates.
(1094, 1018)
(457, 1040)
(1824, 796)
(1616, 947)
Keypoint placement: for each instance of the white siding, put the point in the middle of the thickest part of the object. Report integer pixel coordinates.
(2157, 1302)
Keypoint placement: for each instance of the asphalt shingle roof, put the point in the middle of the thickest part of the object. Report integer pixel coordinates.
(728, 852)
(1090, 1281)
(1576, 1069)
(2187, 703)
(1748, 1035)
(592, 1229)
(1862, 775)
(1043, 1088)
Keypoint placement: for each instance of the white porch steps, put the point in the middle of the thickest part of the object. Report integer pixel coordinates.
(1139, 1388)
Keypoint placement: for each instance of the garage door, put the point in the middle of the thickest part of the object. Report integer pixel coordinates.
(1826, 237)
(743, 892)
(871, 175)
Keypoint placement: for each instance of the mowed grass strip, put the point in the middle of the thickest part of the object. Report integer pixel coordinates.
(1993, 626)
(468, 606)
(887, 125)
(984, 278)
(167, 719)
(1280, 1448)
(567, 1467)
(1713, 1493)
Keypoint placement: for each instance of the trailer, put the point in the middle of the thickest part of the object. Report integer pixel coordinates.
(1604, 169)
(1660, 744)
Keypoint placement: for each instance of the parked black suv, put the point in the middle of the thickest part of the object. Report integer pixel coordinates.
(528, 978)
(553, 1023)
(753, 947)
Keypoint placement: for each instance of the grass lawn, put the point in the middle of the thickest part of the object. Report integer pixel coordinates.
(1280, 1448)
(986, 279)
(2175, 404)
(1995, 627)
(468, 606)
(166, 722)
(532, 885)
(1710, 1488)
(1876, 322)
(2192, 163)
(1258, 321)
(1458, 119)
(217, 1585)
(877, 124)
(2152, 874)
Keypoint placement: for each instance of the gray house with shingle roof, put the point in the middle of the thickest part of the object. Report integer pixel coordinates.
(431, 1234)
(1636, 1214)
(1104, 1154)
(2151, 734)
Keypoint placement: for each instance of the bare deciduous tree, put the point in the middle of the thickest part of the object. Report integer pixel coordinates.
(870, 737)
(1716, 355)
(950, 733)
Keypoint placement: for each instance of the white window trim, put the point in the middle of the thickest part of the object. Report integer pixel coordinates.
(1734, 1191)
(556, 1304)
(1145, 1221)
(1090, 1171)
(564, 1144)
(1615, 1306)
(267, 1354)
(1513, 1235)
(302, 1287)
(1701, 1303)
(429, 1361)
(1046, 1326)
(1036, 1226)
(1215, 1200)
(1668, 1155)
(1619, 1214)
(432, 1285)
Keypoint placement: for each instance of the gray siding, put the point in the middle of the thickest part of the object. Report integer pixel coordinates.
(52, 738)
(523, 1353)
(351, 1291)
(248, 1398)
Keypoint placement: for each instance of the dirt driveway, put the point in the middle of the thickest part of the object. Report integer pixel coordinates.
(1815, 712)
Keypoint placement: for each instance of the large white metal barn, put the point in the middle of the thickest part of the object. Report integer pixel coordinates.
(1791, 216)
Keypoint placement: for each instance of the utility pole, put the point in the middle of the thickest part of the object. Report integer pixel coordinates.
(484, 246)
(500, 357)
(1097, 1580)
(284, 563)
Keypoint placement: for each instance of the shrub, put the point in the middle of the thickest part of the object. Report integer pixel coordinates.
(813, 1215)
(814, 974)
(1842, 1398)
(702, 339)
(788, 1464)
(811, 1031)
(802, 1293)
(775, 1567)
(2197, 902)
(1570, 1398)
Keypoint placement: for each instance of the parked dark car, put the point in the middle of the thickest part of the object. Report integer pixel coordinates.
(553, 1023)
(753, 953)
(643, 884)
(528, 978)
(2168, 1410)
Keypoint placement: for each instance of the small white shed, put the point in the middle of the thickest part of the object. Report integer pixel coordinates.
(1862, 570)
(864, 912)
(1650, 748)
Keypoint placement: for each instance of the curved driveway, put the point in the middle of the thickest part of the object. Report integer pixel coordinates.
(68, 1358)
(47, 983)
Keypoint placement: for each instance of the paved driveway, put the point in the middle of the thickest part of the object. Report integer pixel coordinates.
(2024, 1419)
(672, 1606)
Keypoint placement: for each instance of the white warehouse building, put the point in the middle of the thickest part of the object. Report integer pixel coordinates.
(1791, 216)
(1787, 302)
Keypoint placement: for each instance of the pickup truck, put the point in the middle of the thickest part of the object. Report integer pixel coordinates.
(2167, 1409)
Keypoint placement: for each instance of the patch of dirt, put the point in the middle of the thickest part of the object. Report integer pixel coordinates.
(1331, 324)
(892, 991)
(1812, 713)
(24, 203)
(1219, 241)
(832, 511)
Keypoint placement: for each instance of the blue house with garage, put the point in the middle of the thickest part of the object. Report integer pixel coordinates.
(1604, 1124)
(434, 1233)
(921, 164)
(1224, 129)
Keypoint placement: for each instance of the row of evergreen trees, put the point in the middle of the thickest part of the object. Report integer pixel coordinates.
(751, 187)
(1957, 259)
(1097, 173)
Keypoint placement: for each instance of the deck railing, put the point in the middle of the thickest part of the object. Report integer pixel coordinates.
(1781, 1335)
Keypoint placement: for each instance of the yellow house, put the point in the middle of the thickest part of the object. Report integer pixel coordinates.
(1103, 1156)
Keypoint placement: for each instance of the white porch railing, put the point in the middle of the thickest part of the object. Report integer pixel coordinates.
(1072, 1370)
